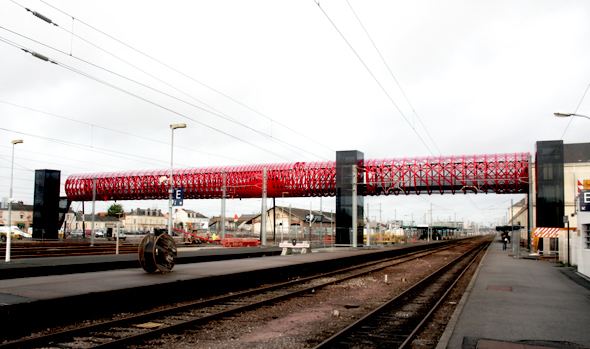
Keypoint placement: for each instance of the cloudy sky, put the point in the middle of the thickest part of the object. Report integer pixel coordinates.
(285, 81)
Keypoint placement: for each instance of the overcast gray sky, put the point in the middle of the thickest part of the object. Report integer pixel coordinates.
(482, 77)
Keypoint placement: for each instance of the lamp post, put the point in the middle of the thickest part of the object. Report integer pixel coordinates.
(8, 236)
(567, 115)
(171, 179)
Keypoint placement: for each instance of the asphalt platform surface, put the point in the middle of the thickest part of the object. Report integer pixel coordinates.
(522, 303)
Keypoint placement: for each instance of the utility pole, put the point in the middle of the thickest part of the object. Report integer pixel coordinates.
(354, 208)
(223, 192)
(274, 220)
(321, 223)
(368, 226)
(263, 213)
(310, 221)
(430, 230)
(93, 207)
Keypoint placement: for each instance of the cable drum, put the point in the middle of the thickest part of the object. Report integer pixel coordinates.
(157, 253)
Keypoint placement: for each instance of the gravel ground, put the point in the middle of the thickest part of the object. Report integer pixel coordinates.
(306, 321)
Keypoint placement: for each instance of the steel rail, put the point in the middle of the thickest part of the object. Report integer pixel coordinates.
(435, 307)
(58, 337)
(335, 341)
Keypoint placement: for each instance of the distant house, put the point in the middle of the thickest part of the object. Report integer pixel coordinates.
(102, 222)
(22, 215)
(215, 224)
(190, 220)
(290, 219)
(144, 220)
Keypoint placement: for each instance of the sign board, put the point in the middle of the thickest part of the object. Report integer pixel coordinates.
(177, 196)
(313, 218)
(585, 200)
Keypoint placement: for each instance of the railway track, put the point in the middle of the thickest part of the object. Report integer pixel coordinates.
(32, 250)
(396, 323)
(141, 327)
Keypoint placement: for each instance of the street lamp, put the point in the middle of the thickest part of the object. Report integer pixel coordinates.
(171, 179)
(567, 115)
(8, 236)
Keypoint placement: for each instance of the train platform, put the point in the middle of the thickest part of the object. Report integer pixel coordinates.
(521, 303)
(80, 295)
(43, 266)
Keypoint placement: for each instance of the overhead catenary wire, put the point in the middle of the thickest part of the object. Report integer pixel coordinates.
(182, 115)
(178, 71)
(317, 2)
(221, 115)
(127, 133)
(383, 89)
(576, 110)
(393, 77)
(105, 151)
(58, 156)
(211, 110)
(55, 163)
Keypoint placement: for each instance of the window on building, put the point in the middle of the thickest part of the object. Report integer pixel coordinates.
(553, 244)
(586, 235)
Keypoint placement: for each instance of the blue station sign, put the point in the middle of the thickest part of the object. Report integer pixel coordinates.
(178, 197)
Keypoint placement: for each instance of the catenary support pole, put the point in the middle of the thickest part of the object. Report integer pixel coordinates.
(310, 222)
(223, 193)
(354, 208)
(530, 205)
(321, 224)
(263, 210)
(368, 226)
(93, 211)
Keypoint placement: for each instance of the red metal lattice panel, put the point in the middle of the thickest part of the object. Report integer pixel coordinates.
(497, 173)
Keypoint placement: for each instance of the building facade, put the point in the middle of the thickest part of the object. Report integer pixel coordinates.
(190, 220)
(22, 215)
(144, 220)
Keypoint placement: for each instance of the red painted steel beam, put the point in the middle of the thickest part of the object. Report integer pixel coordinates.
(494, 173)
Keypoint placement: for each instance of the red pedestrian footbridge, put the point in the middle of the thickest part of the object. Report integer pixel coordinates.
(489, 173)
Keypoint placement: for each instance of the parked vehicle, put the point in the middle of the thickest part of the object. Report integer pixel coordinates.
(16, 233)
(76, 234)
(122, 235)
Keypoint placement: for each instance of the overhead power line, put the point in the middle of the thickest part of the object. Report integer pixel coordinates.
(113, 130)
(373, 76)
(182, 115)
(178, 71)
(576, 110)
(393, 76)
(105, 151)
(220, 115)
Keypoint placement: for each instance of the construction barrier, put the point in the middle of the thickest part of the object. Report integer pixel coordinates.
(240, 242)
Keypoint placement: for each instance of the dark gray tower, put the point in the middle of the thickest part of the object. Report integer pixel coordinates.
(345, 162)
(46, 205)
(549, 183)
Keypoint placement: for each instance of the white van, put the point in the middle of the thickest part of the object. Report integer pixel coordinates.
(16, 233)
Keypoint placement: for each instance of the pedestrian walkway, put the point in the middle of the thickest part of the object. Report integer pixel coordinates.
(529, 302)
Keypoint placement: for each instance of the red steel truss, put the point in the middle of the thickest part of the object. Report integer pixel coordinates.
(496, 173)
